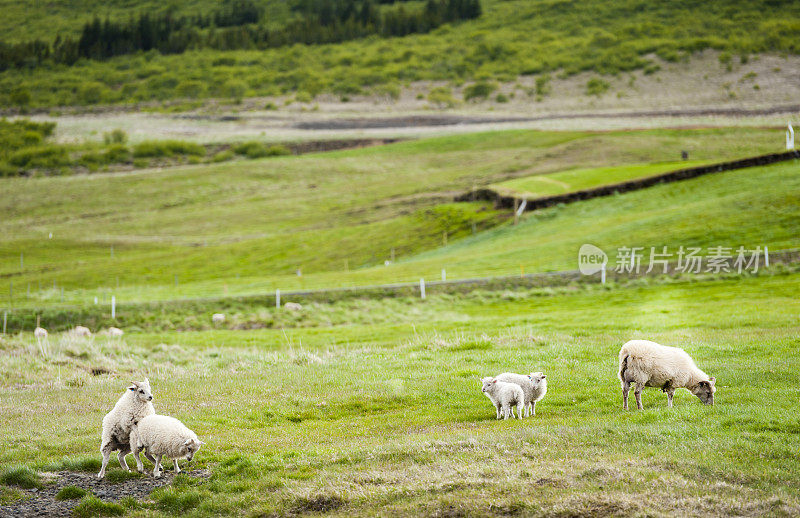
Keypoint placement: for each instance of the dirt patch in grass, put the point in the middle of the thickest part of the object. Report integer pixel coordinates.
(318, 504)
(43, 502)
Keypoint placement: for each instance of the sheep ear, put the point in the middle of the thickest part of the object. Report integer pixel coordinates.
(187, 442)
(712, 380)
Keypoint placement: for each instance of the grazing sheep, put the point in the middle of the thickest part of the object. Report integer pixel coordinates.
(80, 331)
(294, 306)
(218, 318)
(505, 396)
(163, 436)
(649, 364)
(40, 333)
(115, 331)
(132, 406)
(534, 385)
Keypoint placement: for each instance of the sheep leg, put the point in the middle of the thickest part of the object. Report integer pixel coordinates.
(533, 408)
(497, 410)
(626, 387)
(121, 457)
(638, 393)
(157, 469)
(506, 411)
(670, 393)
(520, 410)
(177, 468)
(139, 465)
(106, 451)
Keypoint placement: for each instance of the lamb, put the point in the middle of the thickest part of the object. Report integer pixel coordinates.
(80, 331)
(115, 331)
(504, 396)
(649, 364)
(132, 406)
(534, 385)
(40, 333)
(293, 306)
(218, 318)
(163, 436)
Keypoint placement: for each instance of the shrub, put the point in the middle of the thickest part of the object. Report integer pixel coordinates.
(92, 506)
(596, 86)
(255, 149)
(190, 89)
(71, 493)
(166, 148)
(479, 90)
(118, 154)
(441, 96)
(45, 157)
(222, 156)
(543, 85)
(116, 136)
(20, 96)
(303, 97)
(175, 501)
(270, 106)
(501, 98)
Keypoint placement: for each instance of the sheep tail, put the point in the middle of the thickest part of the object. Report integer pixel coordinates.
(623, 366)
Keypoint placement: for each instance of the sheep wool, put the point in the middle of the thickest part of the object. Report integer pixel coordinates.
(505, 396)
(534, 385)
(164, 436)
(648, 364)
(132, 406)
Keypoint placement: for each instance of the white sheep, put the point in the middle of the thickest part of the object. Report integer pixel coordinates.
(218, 318)
(131, 407)
(80, 331)
(293, 306)
(534, 385)
(648, 364)
(505, 396)
(115, 331)
(163, 436)
(40, 333)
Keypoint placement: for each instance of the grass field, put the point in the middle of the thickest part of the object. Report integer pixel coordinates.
(573, 180)
(388, 418)
(247, 227)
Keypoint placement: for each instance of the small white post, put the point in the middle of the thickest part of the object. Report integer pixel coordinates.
(603, 274)
(422, 288)
(113, 307)
(789, 137)
(277, 298)
(766, 257)
(95, 300)
(444, 274)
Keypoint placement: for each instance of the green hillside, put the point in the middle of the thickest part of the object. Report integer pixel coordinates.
(511, 38)
(246, 227)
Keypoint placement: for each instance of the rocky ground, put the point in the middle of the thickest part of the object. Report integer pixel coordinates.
(42, 502)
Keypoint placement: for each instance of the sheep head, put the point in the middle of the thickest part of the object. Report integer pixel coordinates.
(705, 390)
(141, 390)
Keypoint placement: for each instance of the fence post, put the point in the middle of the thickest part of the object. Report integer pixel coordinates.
(789, 137)
(766, 257)
(422, 289)
(603, 274)
(277, 298)
(113, 307)
(444, 274)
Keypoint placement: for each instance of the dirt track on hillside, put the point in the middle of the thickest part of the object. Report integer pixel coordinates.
(453, 120)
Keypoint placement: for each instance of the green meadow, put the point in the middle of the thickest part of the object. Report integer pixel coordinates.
(572, 180)
(248, 227)
(387, 417)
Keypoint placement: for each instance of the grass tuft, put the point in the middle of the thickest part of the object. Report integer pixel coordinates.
(71, 493)
(92, 506)
(22, 476)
